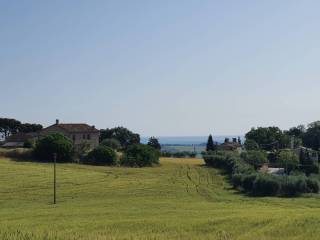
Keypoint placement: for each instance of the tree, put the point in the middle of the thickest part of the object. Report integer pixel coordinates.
(297, 131)
(210, 145)
(9, 126)
(112, 143)
(239, 140)
(269, 138)
(29, 127)
(288, 160)
(255, 158)
(153, 142)
(123, 135)
(140, 155)
(101, 155)
(54, 143)
(226, 140)
(250, 144)
(307, 164)
(311, 138)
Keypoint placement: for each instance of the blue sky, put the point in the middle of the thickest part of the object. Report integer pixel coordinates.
(161, 67)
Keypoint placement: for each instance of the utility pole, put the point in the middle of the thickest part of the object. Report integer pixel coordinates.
(54, 177)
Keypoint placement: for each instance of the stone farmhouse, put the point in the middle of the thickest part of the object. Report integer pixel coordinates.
(79, 133)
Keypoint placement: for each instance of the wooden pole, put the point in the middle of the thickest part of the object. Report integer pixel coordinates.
(54, 178)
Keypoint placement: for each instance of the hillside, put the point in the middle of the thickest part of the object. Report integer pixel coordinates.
(181, 199)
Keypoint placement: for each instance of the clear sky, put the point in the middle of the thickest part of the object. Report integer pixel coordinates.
(164, 67)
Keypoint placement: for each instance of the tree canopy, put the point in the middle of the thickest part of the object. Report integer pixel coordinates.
(210, 144)
(269, 138)
(123, 135)
(153, 142)
(9, 126)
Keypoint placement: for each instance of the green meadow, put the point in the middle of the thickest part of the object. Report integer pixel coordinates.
(180, 199)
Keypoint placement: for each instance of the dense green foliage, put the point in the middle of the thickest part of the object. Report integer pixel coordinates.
(308, 165)
(153, 142)
(112, 143)
(140, 155)
(54, 143)
(269, 138)
(101, 155)
(244, 177)
(123, 135)
(210, 144)
(311, 138)
(250, 144)
(255, 158)
(10, 126)
(288, 160)
(180, 154)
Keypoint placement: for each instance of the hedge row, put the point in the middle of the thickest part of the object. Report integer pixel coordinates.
(183, 154)
(245, 178)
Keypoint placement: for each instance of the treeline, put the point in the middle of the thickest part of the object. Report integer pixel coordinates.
(182, 154)
(271, 138)
(9, 126)
(244, 176)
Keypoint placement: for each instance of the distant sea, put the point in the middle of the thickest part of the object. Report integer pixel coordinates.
(191, 140)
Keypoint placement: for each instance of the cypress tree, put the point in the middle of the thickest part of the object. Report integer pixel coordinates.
(210, 144)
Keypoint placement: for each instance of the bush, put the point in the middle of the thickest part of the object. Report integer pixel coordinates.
(166, 154)
(266, 185)
(28, 144)
(112, 143)
(313, 185)
(288, 160)
(237, 180)
(139, 155)
(255, 158)
(294, 185)
(54, 143)
(101, 155)
(19, 153)
(248, 181)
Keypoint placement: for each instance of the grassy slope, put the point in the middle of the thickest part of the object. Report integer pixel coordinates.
(179, 200)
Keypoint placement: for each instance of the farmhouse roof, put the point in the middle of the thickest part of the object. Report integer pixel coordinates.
(77, 127)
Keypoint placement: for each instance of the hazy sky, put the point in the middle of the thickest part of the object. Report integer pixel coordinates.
(161, 67)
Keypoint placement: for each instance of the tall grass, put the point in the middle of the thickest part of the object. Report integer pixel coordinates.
(181, 199)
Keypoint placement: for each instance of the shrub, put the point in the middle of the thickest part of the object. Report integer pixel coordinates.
(294, 185)
(250, 144)
(18, 153)
(28, 144)
(139, 155)
(179, 154)
(112, 143)
(266, 185)
(101, 155)
(313, 185)
(247, 182)
(237, 180)
(255, 158)
(166, 154)
(288, 160)
(54, 143)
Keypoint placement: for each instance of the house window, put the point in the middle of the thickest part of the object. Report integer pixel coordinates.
(83, 136)
(73, 137)
(88, 136)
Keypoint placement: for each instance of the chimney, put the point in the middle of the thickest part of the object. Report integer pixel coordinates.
(57, 121)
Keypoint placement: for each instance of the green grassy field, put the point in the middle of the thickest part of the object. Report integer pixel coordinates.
(180, 199)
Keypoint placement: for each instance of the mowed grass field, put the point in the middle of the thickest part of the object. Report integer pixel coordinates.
(181, 199)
